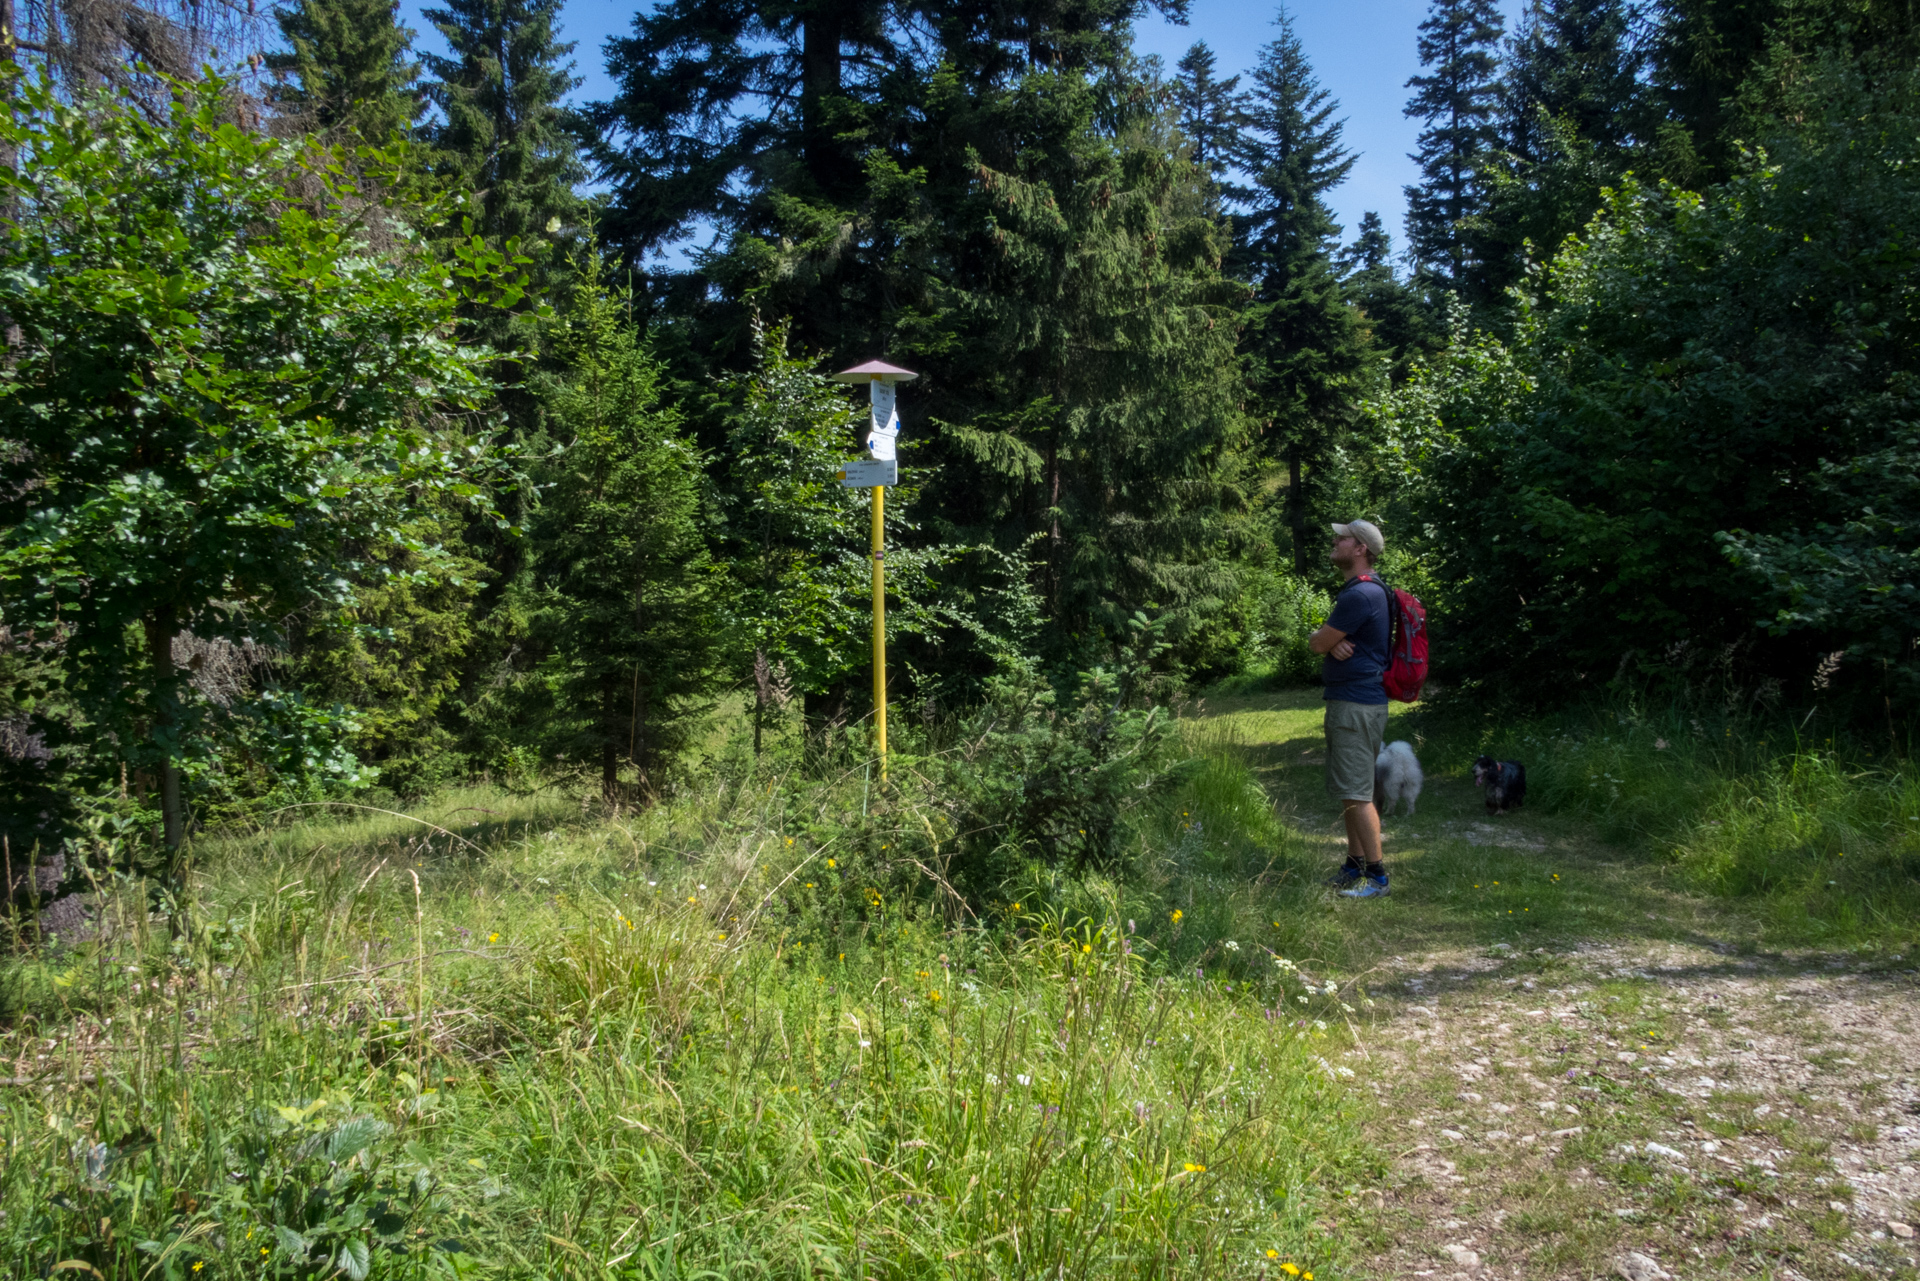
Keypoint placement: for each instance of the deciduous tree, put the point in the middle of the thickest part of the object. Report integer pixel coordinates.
(220, 387)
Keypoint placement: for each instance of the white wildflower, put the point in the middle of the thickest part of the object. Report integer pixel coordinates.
(1232, 946)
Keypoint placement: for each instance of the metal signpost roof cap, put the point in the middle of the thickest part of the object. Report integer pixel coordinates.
(875, 369)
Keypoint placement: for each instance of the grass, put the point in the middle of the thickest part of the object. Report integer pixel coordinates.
(1534, 937)
(520, 1038)
(751, 1033)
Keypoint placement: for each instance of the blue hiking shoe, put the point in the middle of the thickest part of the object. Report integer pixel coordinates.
(1347, 876)
(1375, 887)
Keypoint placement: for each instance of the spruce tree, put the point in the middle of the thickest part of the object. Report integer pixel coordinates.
(1081, 352)
(622, 604)
(1306, 353)
(506, 134)
(1213, 114)
(718, 103)
(1401, 324)
(1574, 114)
(1457, 101)
(795, 538)
(1577, 62)
(346, 71)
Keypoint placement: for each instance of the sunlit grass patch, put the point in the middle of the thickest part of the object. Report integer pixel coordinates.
(723, 1035)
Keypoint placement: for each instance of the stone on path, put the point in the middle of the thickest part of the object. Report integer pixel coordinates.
(1635, 1266)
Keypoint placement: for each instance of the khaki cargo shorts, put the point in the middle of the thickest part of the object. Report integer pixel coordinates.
(1354, 731)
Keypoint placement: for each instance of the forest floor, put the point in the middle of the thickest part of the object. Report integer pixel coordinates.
(1585, 1070)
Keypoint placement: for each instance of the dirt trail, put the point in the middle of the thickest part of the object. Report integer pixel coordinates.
(1584, 1071)
(1718, 1116)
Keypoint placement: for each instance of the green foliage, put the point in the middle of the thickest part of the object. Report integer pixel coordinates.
(1276, 611)
(505, 137)
(345, 72)
(394, 651)
(623, 597)
(222, 387)
(1085, 418)
(1401, 324)
(1305, 350)
(1213, 116)
(1695, 362)
(1456, 100)
(795, 537)
(1021, 229)
(1065, 780)
(309, 1190)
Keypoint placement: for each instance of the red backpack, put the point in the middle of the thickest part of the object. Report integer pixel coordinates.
(1407, 644)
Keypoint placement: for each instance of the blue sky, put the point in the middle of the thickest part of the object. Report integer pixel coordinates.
(1363, 51)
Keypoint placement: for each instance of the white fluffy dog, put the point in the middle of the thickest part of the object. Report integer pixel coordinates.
(1396, 777)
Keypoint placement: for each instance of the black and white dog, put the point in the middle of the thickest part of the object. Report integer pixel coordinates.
(1396, 777)
(1505, 783)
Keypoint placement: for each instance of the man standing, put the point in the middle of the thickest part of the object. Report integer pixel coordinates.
(1354, 647)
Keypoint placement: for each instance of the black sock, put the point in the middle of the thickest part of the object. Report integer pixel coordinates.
(1353, 861)
(1377, 870)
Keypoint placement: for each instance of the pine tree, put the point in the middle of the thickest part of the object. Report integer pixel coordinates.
(1457, 101)
(1212, 115)
(620, 562)
(1306, 352)
(1401, 323)
(346, 71)
(1574, 61)
(1574, 115)
(718, 103)
(506, 131)
(795, 537)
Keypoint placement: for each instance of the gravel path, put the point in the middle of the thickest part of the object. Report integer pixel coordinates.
(1556, 1114)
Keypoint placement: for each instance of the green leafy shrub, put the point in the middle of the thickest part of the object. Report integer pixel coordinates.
(1033, 775)
(1736, 363)
(314, 1190)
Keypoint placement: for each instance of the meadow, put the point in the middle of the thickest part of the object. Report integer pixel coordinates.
(753, 1031)
(509, 1035)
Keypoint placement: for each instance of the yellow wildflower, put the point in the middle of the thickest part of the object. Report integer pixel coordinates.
(1291, 1269)
(494, 937)
(831, 863)
(1086, 947)
(1177, 914)
(1195, 1169)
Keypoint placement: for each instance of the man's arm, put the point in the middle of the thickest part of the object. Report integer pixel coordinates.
(1331, 640)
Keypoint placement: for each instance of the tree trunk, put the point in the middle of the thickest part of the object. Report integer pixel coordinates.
(820, 80)
(1297, 513)
(609, 741)
(161, 628)
(1053, 525)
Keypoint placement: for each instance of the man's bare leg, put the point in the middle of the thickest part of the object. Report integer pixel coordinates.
(1363, 834)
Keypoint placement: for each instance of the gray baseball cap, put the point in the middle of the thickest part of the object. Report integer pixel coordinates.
(1366, 531)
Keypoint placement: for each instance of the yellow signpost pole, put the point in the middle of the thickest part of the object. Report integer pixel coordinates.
(880, 626)
(876, 472)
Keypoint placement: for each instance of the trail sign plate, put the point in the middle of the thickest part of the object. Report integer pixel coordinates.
(870, 473)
